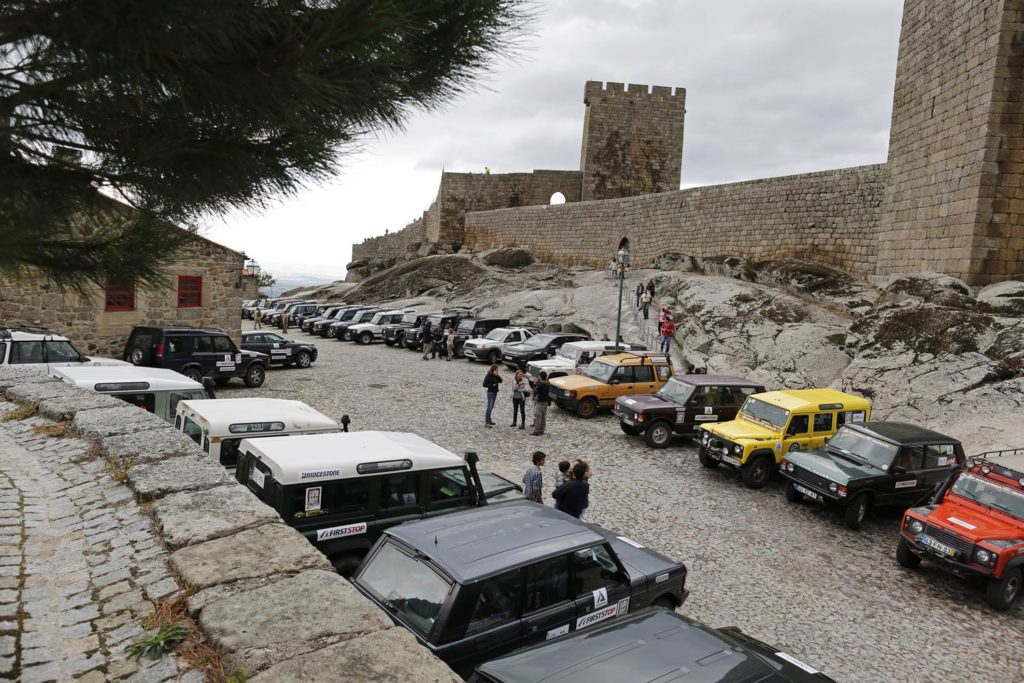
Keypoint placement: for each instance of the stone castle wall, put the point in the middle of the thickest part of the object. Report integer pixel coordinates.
(956, 153)
(632, 139)
(35, 302)
(392, 245)
(831, 217)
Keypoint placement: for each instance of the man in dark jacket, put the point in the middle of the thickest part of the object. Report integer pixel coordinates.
(571, 497)
(427, 338)
(541, 400)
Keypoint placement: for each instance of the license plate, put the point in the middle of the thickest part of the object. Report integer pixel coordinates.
(735, 462)
(942, 548)
(813, 495)
(631, 423)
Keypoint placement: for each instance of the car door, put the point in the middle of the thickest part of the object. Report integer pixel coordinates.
(621, 385)
(493, 627)
(448, 489)
(400, 499)
(704, 405)
(278, 348)
(28, 354)
(549, 609)
(600, 586)
(940, 460)
(257, 342)
(822, 428)
(225, 356)
(907, 481)
(797, 436)
(643, 380)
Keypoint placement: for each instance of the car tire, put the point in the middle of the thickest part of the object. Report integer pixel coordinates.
(756, 473)
(254, 376)
(856, 512)
(792, 495)
(494, 357)
(587, 408)
(905, 556)
(1002, 592)
(366, 338)
(389, 342)
(627, 429)
(331, 333)
(666, 602)
(138, 356)
(347, 565)
(658, 434)
(705, 459)
(194, 374)
(303, 359)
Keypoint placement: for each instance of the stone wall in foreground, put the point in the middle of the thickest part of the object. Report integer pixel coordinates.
(831, 217)
(262, 596)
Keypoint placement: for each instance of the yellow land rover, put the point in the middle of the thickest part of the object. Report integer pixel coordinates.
(771, 424)
(608, 377)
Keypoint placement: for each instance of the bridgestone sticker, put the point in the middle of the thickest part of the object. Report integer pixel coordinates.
(707, 418)
(622, 606)
(961, 523)
(322, 474)
(661, 578)
(909, 484)
(340, 531)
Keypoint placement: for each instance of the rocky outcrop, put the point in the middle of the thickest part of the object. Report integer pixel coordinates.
(510, 257)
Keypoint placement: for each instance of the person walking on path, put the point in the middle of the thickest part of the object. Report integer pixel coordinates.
(533, 480)
(571, 497)
(650, 287)
(645, 302)
(451, 342)
(428, 339)
(668, 329)
(662, 317)
(520, 390)
(639, 293)
(611, 269)
(541, 399)
(491, 381)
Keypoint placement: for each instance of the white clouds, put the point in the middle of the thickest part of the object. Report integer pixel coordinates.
(772, 88)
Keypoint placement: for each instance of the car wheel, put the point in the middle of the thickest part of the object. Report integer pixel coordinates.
(792, 495)
(1000, 593)
(389, 342)
(366, 338)
(627, 429)
(347, 565)
(331, 332)
(659, 434)
(706, 459)
(138, 356)
(856, 511)
(303, 359)
(905, 556)
(493, 358)
(194, 374)
(254, 376)
(756, 472)
(587, 408)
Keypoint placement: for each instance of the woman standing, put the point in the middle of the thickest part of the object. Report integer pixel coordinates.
(451, 342)
(520, 390)
(491, 381)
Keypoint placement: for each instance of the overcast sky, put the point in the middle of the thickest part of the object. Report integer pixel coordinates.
(772, 88)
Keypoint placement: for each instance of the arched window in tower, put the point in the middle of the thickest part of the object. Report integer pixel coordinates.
(624, 243)
(557, 198)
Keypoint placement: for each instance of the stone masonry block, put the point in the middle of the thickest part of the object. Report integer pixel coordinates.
(61, 409)
(288, 618)
(36, 392)
(10, 377)
(175, 474)
(149, 446)
(120, 420)
(190, 518)
(271, 549)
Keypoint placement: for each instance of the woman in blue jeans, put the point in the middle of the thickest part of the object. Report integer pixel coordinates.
(491, 381)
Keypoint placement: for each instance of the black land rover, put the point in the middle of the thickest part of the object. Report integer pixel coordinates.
(394, 334)
(195, 353)
(322, 327)
(478, 584)
(414, 336)
(538, 347)
(651, 646)
(871, 464)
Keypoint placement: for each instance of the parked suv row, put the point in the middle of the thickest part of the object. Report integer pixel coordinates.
(195, 353)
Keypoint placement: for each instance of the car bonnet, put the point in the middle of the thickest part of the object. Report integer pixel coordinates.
(832, 467)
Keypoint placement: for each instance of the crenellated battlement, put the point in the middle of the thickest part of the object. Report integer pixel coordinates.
(593, 89)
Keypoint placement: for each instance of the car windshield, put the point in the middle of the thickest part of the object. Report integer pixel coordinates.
(466, 326)
(764, 413)
(676, 390)
(600, 371)
(61, 351)
(435, 320)
(990, 493)
(538, 341)
(406, 586)
(410, 317)
(497, 335)
(868, 449)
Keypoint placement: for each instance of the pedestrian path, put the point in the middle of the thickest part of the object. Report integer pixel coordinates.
(80, 564)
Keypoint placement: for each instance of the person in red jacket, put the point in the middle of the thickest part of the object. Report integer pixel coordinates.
(668, 329)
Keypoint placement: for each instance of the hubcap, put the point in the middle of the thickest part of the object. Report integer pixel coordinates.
(660, 434)
(254, 375)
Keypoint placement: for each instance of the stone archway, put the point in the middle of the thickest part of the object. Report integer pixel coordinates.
(623, 244)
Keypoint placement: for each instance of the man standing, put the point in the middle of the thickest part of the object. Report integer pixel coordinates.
(541, 399)
(533, 480)
(572, 496)
(438, 347)
(668, 329)
(257, 319)
(428, 339)
(451, 342)
(639, 293)
(645, 302)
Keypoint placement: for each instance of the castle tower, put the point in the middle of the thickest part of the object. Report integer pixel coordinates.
(955, 200)
(632, 140)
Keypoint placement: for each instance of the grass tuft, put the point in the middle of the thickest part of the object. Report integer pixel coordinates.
(118, 470)
(21, 412)
(59, 430)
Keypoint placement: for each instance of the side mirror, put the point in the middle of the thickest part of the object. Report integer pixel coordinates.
(896, 469)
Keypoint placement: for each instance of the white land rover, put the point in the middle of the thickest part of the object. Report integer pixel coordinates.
(41, 350)
(572, 358)
(488, 348)
(219, 426)
(367, 333)
(157, 390)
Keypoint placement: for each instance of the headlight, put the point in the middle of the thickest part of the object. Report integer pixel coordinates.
(985, 556)
(737, 449)
(790, 467)
(833, 487)
(915, 526)
(707, 437)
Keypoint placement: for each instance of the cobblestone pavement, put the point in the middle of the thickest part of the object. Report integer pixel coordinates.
(790, 575)
(79, 565)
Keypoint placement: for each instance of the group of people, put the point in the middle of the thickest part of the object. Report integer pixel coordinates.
(439, 341)
(644, 296)
(522, 388)
(666, 327)
(572, 485)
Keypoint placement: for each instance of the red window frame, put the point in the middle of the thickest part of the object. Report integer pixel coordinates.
(119, 296)
(190, 291)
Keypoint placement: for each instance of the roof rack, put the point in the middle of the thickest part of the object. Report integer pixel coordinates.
(990, 459)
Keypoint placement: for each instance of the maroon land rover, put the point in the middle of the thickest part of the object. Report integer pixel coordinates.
(684, 403)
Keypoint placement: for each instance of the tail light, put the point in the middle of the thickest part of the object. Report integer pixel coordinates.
(160, 350)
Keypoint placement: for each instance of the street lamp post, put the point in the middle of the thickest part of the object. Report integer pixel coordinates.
(622, 258)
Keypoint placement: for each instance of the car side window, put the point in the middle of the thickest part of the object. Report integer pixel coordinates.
(336, 497)
(61, 352)
(547, 583)
(398, 490)
(643, 373)
(823, 422)
(223, 345)
(3, 351)
(943, 455)
(202, 344)
(497, 603)
(624, 375)
(593, 568)
(909, 458)
(145, 401)
(664, 372)
(26, 352)
(449, 487)
(798, 425)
